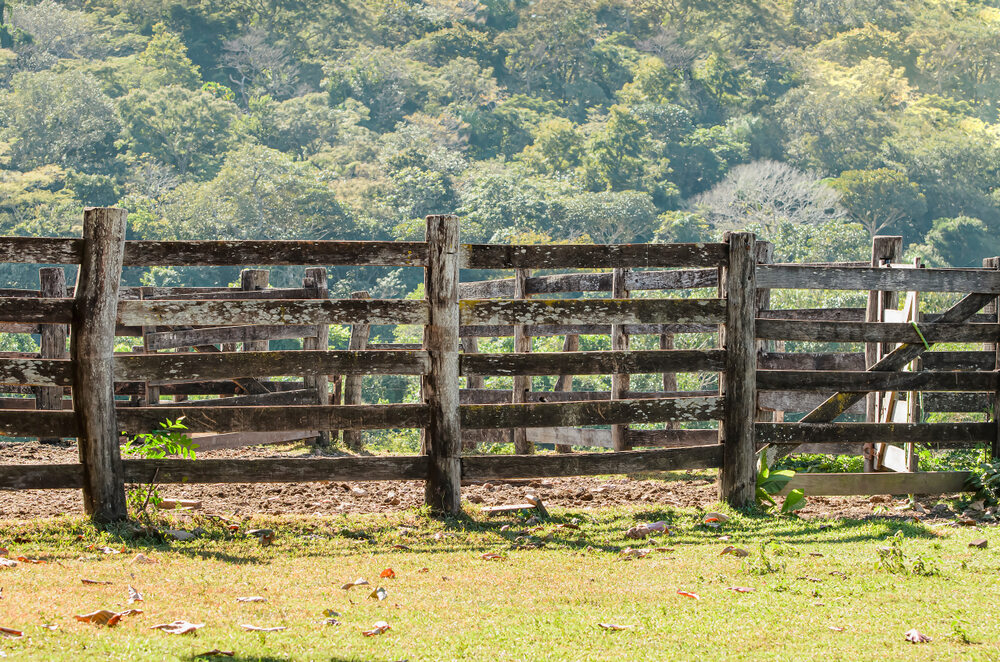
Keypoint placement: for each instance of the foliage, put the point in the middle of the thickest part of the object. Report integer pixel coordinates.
(168, 439)
(984, 479)
(893, 559)
(770, 483)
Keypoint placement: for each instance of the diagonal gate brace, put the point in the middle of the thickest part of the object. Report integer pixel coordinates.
(838, 403)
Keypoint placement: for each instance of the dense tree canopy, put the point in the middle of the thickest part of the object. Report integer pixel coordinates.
(815, 122)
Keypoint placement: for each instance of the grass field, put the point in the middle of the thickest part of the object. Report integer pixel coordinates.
(818, 590)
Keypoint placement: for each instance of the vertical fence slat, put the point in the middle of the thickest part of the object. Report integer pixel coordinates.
(443, 436)
(314, 282)
(565, 382)
(619, 342)
(764, 251)
(470, 345)
(252, 280)
(885, 250)
(52, 345)
(353, 383)
(994, 308)
(92, 350)
(737, 478)
(522, 383)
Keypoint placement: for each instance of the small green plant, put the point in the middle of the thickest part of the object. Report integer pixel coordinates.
(768, 558)
(894, 560)
(984, 479)
(169, 439)
(959, 633)
(770, 483)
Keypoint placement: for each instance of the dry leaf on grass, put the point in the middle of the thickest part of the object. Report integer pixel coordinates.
(688, 594)
(93, 581)
(715, 519)
(379, 594)
(360, 581)
(11, 633)
(835, 628)
(133, 595)
(635, 553)
(25, 559)
(254, 628)
(741, 589)
(178, 627)
(142, 559)
(492, 556)
(215, 652)
(914, 636)
(7, 563)
(378, 628)
(738, 552)
(388, 573)
(424, 570)
(49, 626)
(252, 598)
(106, 616)
(614, 626)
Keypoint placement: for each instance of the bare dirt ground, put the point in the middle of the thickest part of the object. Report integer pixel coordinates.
(678, 490)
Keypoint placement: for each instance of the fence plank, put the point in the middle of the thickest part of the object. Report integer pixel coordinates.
(811, 361)
(957, 402)
(483, 467)
(272, 253)
(352, 383)
(595, 363)
(39, 372)
(502, 330)
(92, 349)
(545, 414)
(673, 438)
(36, 311)
(219, 335)
(924, 482)
(855, 382)
(20, 423)
(277, 470)
(815, 314)
(41, 250)
(266, 419)
(490, 256)
(303, 396)
(799, 401)
(619, 343)
(890, 433)
(231, 365)
(521, 383)
(222, 313)
(894, 332)
(52, 343)
(875, 278)
(974, 360)
(589, 311)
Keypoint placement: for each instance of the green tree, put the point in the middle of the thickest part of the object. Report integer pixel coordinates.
(614, 155)
(608, 217)
(165, 62)
(557, 147)
(187, 129)
(957, 242)
(881, 199)
(58, 118)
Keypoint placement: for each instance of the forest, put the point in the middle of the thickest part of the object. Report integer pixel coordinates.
(816, 123)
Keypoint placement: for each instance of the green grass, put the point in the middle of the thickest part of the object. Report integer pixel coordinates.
(535, 604)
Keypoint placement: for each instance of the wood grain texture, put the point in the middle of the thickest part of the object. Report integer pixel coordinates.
(353, 383)
(41, 250)
(92, 350)
(273, 252)
(672, 438)
(314, 282)
(546, 414)
(891, 332)
(496, 467)
(595, 363)
(861, 382)
(738, 383)
(303, 396)
(52, 343)
(957, 402)
(811, 361)
(222, 313)
(591, 311)
(278, 470)
(503, 288)
(619, 343)
(36, 311)
(264, 419)
(19, 423)
(875, 278)
(443, 431)
(521, 383)
(218, 335)
(924, 482)
(535, 330)
(487, 256)
(39, 372)
(890, 433)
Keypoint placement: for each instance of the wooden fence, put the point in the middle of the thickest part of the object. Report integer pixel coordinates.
(748, 365)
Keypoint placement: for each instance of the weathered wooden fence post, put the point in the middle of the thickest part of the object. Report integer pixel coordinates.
(52, 282)
(443, 438)
(620, 382)
(314, 282)
(994, 310)
(764, 251)
(885, 250)
(92, 348)
(522, 383)
(353, 383)
(565, 382)
(252, 280)
(737, 478)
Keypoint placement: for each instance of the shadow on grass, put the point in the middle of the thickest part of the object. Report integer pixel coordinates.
(269, 658)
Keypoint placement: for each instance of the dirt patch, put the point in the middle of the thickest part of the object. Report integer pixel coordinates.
(677, 490)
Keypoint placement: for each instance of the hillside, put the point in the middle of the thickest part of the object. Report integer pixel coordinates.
(815, 123)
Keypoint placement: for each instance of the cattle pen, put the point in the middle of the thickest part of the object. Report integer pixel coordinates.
(868, 379)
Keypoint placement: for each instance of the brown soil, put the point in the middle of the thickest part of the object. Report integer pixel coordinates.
(332, 498)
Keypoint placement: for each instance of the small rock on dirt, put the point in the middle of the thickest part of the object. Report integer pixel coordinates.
(979, 542)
